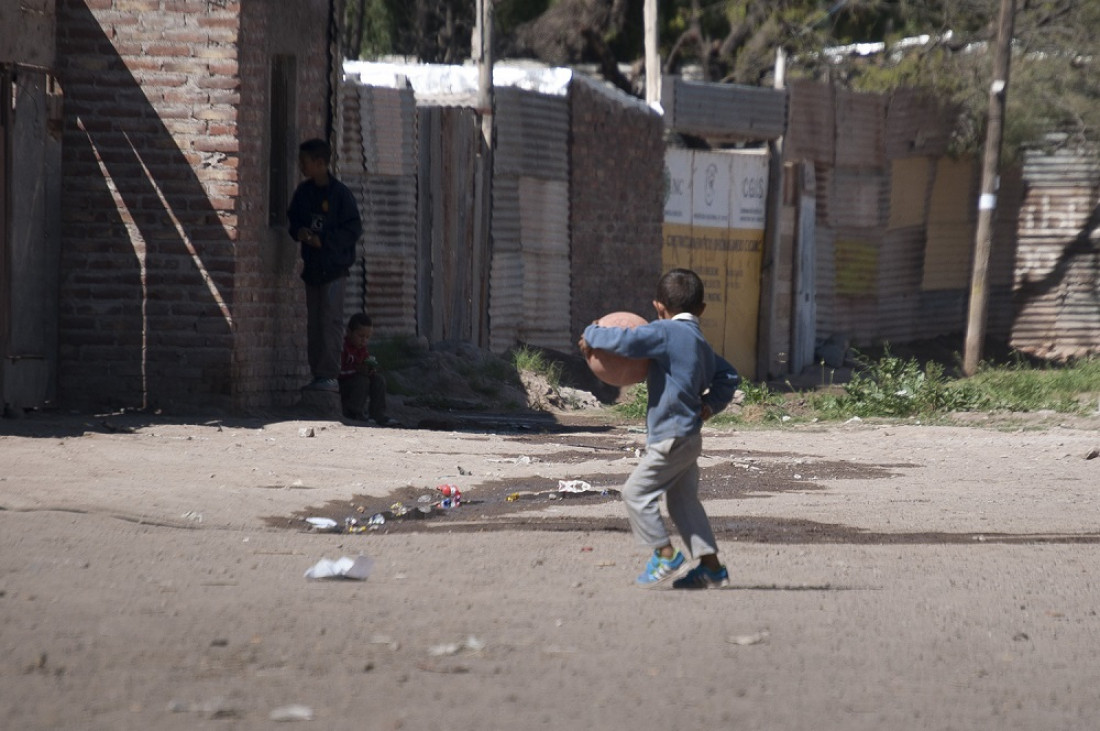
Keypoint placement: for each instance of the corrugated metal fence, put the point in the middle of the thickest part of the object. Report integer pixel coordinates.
(895, 216)
(1057, 279)
(378, 161)
(412, 170)
(530, 293)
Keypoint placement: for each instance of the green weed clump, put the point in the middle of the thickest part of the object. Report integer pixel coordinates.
(633, 406)
(532, 360)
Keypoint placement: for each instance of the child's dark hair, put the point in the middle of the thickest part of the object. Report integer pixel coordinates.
(359, 320)
(681, 290)
(316, 148)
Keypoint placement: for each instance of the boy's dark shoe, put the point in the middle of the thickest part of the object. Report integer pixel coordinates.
(701, 577)
(322, 384)
(386, 421)
(355, 415)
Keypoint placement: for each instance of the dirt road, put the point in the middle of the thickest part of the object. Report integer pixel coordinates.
(884, 577)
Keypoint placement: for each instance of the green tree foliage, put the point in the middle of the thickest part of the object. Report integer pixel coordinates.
(1052, 84)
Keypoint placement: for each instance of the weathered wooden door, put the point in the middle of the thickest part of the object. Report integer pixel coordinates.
(450, 296)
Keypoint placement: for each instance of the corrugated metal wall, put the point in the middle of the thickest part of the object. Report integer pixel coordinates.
(895, 216)
(1057, 278)
(529, 299)
(377, 144)
(724, 111)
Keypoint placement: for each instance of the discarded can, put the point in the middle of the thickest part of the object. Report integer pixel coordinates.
(452, 496)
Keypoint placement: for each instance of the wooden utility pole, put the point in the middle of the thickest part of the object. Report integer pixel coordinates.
(652, 54)
(483, 175)
(987, 201)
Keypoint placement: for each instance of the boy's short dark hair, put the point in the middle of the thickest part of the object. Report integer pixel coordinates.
(316, 148)
(359, 320)
(681, 290)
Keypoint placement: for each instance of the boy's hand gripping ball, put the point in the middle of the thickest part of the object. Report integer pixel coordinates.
(618, 370)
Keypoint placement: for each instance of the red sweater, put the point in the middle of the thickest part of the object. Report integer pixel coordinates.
(351, 359)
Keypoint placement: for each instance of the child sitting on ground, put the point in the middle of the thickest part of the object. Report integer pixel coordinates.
(360, 379)
(688, 383)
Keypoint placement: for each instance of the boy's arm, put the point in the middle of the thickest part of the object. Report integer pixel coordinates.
(722, 387)
(344, 229)
(297, 217)
(644, 341)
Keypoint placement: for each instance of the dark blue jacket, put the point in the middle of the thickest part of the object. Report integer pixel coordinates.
(332, 213)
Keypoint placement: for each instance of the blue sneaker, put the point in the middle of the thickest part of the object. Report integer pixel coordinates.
(659, 570)
(701, 577)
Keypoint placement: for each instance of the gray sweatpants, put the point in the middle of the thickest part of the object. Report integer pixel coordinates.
(325, 327)
(669, 468)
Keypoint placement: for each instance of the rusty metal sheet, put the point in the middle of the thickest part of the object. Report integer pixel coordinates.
(917, 124)
(811, 130)
(1057, 279)
(860, 129)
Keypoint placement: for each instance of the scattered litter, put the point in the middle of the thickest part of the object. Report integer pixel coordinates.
(462, 471)
(757, 638)
(306, 431)
(517, 460)
(214, 709)
(470, 644)
(357, 568)
(854, 420)
(1093, 453)
(323, 524)
(378, 639)
(294, 712)
(586, 549)
(193, 516)
(574, 486)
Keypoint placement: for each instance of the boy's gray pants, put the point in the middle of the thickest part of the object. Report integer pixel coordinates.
(325, 327)
(669, 468)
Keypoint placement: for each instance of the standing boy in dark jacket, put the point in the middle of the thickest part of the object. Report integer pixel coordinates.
(324, 218)
(688, 383)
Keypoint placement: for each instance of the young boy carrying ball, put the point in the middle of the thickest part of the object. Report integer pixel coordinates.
(688, 383)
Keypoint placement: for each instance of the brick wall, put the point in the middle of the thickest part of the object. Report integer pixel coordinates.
(617, 205)
(172, 283)
(269, 360)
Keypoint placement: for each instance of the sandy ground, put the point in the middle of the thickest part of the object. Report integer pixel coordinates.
(884, 577)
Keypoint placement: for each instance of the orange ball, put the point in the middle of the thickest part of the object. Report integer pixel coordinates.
(613, 369)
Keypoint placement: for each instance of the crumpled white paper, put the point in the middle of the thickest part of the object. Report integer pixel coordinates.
(323, 524)
(358, 568)
(575, 486)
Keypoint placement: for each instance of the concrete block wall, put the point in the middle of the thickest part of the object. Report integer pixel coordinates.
(172, 280)
(617, 205)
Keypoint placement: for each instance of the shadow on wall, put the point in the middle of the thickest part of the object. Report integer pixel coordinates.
(1081, 245)
(147, 264)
